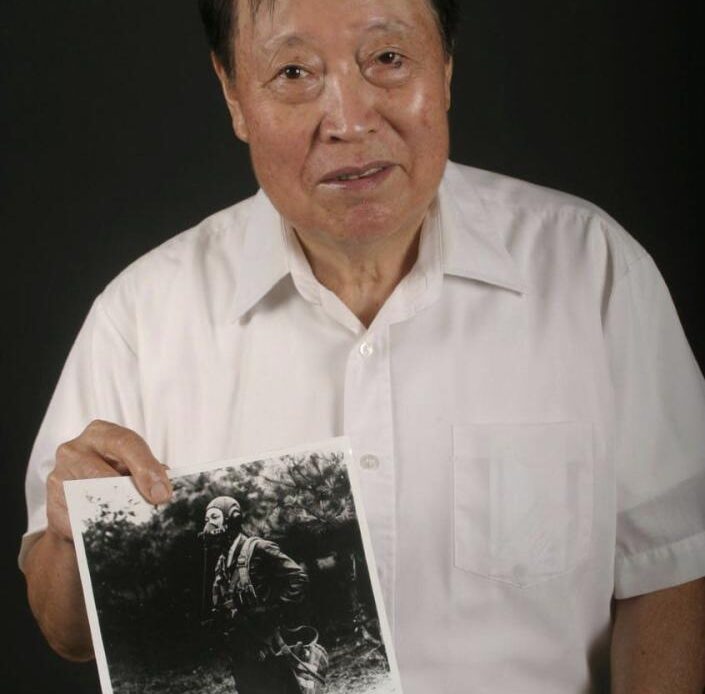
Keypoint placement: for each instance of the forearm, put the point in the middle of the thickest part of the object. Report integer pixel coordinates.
(658, 642)
(56, 598)
(290, 577)
(54, 591)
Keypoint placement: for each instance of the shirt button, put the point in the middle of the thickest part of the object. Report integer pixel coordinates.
(369, 462)
(366, 349)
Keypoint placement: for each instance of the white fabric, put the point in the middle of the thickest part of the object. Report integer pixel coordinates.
(527, 413)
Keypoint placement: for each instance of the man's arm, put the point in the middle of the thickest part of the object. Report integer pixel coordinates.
(291, 578)
(55, 596)
(51, 569)
(658, 642)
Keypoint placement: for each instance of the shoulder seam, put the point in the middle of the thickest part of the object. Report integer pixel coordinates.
(101, 308)
(641, 255)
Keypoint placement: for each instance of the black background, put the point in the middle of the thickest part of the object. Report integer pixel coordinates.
(114, 138)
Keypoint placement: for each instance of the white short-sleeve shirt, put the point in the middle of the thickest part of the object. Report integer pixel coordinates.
(527, 416)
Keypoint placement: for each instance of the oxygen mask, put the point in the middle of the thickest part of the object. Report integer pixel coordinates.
(215, 528)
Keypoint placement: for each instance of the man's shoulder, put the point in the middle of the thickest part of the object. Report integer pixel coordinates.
(215, 237)
(254, 542)
(263, 545)
(266, 549)
(525, 213)
(181, 267)
(256, 549)
(497, 189)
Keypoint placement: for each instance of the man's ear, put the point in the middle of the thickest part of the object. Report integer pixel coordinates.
(227, 84)
(448, 80)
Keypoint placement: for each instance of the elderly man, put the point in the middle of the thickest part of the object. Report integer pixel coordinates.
(525, 410)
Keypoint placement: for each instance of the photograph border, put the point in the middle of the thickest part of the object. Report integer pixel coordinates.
(76, 491)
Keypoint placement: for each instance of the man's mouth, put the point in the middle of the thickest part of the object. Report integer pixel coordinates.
(213, 530)
(356, 173)
(356, 177)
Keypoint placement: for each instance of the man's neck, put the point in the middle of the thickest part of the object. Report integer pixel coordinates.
(363, 276)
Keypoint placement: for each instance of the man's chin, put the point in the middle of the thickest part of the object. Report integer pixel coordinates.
(215, 540)
(367, 227)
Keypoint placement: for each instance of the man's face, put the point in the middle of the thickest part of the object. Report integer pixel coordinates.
(215, 522)
(328, 85)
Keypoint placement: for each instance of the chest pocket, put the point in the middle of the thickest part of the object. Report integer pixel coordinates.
(522, 499)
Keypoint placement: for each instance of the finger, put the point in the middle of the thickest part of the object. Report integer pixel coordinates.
(78, 461)
(121, 446)
(75, 458)
(88, 466)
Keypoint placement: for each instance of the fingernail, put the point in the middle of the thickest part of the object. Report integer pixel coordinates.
(159, 493)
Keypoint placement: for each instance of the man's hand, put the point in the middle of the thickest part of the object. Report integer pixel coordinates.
(53, 582)
(103, 450)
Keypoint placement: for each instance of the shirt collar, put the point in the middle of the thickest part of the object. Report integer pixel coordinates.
(471, 245)
(263, 261)
(471, 241)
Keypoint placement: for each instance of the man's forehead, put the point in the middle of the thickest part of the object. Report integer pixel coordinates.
(383, 15)
(292, 38)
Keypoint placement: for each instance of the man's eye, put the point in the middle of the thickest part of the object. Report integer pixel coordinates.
(391, 58)
(292, 72)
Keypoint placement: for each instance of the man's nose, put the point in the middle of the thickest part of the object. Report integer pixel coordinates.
(349, 104)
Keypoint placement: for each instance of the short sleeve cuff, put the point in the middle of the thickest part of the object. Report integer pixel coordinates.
(28, 541)
(659, 568)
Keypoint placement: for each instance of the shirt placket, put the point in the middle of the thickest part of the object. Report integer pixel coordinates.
(369, 423)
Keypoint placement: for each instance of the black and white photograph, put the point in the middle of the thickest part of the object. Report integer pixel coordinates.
(256, 577)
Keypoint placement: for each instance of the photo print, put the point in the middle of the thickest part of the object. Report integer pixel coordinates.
(257, 577)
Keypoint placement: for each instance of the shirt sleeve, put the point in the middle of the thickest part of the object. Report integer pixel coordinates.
(660, 437)
(290, 577)
(99, 381)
